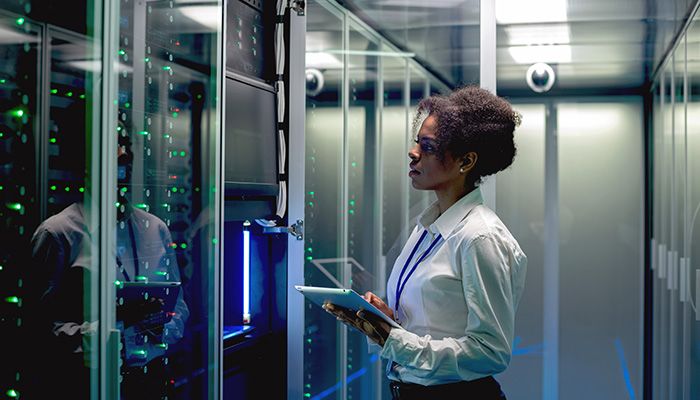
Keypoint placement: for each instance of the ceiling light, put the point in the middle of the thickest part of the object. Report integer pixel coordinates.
(525, 35)
(532, 11)
(552, 54)
(322, 60)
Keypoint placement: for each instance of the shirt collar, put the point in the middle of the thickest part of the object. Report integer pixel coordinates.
(444, 224)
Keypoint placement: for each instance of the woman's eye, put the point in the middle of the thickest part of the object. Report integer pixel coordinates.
(428, 148)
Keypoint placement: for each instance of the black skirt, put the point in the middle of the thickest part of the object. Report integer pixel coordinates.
(480, 389)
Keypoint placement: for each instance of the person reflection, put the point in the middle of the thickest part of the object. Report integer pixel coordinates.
(62, 321)
(144, 254)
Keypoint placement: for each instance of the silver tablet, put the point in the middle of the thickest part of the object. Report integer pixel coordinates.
(347, 298)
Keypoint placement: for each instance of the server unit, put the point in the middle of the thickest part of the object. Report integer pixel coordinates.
(254, 261)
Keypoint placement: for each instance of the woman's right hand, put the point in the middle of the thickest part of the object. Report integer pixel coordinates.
(377, 301)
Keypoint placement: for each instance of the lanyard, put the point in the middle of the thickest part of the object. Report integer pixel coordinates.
(401, 285)
(134, 254)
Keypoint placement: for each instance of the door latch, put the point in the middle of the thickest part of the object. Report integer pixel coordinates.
(296, 229)
(299, 6)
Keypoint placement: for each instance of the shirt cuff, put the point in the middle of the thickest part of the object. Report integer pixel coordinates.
(398, 346)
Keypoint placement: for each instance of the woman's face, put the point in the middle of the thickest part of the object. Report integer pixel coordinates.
(427, 171)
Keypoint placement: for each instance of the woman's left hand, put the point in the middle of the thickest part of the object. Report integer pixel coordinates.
(367, 323)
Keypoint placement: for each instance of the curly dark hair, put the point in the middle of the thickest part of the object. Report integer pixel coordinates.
(473, 119)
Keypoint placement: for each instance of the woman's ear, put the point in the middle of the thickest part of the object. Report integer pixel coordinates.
(468, 162)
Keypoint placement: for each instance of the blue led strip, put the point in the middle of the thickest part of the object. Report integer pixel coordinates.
(625, 370)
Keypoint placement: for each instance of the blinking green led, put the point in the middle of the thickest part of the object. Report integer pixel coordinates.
(52, 140)
(3, 80)
(69, 94)
(14, 206)
(174, 190)
(53, 187)
(19, 21)
(54, 91)
(183, 245)
(141, 205)
(175, 115)
(182, 154)
(67, 189)
(82, 96)
(144, 133)
(18, 112)
(121, 52)
(12, 299)
(81, 190)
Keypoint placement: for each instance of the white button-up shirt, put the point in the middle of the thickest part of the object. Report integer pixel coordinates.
(458, 307)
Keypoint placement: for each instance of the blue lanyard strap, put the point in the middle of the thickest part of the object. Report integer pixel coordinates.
(401, 285)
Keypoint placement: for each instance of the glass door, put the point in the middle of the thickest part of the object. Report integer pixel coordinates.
(166, 255)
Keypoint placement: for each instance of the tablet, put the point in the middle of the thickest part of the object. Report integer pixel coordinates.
(167, 291)
(347, 298)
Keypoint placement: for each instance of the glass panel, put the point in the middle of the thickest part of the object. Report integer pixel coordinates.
(49, 186)
(665, 237)
(677, 352)
(67, 113)
(394, 168)
(363, 176)
(692, 171)
(20, 146)
(394, 178)
(600, 281)
(658, 250)
(166, 224)
(520, 204)
(418, 200)
(324, 215)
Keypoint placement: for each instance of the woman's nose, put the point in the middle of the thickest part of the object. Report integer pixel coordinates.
(413, 152)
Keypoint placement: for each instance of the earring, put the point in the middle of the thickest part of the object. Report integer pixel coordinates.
(461, 170)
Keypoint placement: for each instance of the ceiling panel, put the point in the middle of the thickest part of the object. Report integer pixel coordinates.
(604, 44)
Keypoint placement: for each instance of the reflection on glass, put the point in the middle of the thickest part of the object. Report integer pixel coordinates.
(362, 189)
(418, 200)
(614, 268)
(692, 368)
(19, 128)
(46, 262)
(167, 66)
(324, 193)
(520, 204)
(394, 167)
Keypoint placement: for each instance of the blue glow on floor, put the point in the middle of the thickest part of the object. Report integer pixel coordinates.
(625, 370)
(372, 359)
(533, 349)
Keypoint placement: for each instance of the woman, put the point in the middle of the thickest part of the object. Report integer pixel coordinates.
(455, 286)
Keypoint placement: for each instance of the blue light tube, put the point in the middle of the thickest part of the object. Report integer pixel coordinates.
(246, 276)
